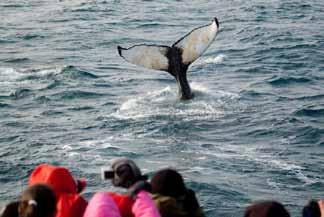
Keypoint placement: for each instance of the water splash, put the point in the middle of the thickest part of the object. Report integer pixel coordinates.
(207, 104)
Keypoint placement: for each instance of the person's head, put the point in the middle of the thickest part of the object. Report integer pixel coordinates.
(59, 178)
(124, 173)
(168, 182)
(37, 201)
(312, 209)
(266, 209)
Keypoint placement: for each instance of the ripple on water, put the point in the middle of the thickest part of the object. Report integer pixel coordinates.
(5, 105)
(311, 112)
(77, 94)
(21, 93)
(75, 73)
(285, 81)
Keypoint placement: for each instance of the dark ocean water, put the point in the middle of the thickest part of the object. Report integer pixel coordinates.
(255, 129)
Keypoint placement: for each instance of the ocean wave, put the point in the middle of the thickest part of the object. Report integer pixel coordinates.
(54, 84)
(21, 93)
(22, 83)
(76, 73)
(17, 60)
(311, 112)
(71, 72)
(50, 113)
(308, 135)
(14, 5)
(42, 99)
(5, 105)
(279, 81)
(29, 36)
(96, 150)
(254, 95)
(302, 98)
(76, 94)
(8, 75)
(81, 108)
(11, 74)
(6, 40)
(272, 160)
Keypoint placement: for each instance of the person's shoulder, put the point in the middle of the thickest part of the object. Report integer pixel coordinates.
(166, 202)
(163, 198)
(169, 206)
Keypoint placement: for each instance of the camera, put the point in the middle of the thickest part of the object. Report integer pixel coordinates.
(107, 174)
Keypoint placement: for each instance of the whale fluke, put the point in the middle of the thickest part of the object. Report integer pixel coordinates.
(175, 59)
(148, 56)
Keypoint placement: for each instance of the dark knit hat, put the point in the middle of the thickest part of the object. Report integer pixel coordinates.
(124, 172)
(168, 182)
(266, 209)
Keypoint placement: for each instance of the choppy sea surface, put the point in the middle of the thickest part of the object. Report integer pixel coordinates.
(254, 131)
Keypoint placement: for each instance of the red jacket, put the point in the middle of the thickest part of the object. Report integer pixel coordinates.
(124, 203)
(69, 202)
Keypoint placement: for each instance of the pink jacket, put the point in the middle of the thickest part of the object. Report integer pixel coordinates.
(144, 206)
(101, 205)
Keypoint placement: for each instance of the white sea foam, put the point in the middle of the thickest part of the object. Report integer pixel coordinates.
(273, 184)
(72, 150)
(101, 143)
(199, 87)
(12, 79)
(130, 104)
(11, 74)
(269, 161)
(66, 147)
(73, 154)
(49, 71)
(307, 180)
(218, 59)
(207, 104)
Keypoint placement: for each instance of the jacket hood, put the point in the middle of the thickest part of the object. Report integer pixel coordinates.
(59, 178)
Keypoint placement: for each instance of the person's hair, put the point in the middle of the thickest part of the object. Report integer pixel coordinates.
(312, 209)
(38, 200)
(10, 210)
(266, 209)
(168, 182)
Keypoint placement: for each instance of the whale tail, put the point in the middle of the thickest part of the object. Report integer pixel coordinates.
(175, 59)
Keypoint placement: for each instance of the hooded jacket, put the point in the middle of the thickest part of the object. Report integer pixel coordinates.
(69, 202)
